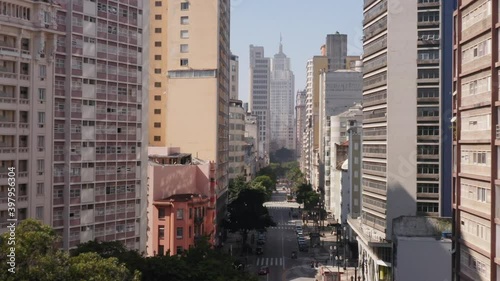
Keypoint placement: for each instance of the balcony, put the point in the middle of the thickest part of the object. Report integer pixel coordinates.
(498, 131)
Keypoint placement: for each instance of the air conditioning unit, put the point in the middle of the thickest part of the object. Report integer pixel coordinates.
(47, 25)
(40, 125)
(42, 55)
(40, 173)
(40, 149)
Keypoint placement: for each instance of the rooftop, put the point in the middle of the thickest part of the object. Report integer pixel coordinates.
(183, 197)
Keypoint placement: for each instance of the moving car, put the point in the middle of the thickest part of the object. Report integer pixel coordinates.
(264, 270)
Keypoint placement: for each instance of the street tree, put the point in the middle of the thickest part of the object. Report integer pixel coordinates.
(236, 185)
(93, 267)
(307, 196)
(247, 212)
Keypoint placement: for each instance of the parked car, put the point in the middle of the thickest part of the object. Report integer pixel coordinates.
(300, 232)
(259, 251)
(264, 270)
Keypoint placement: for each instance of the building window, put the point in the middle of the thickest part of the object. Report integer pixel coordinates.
(184, 6)
(180, 214)
(184, 48)
(157, 97)
(157, 125)
(157, 70)
(161, 213)
(179, 250)
(41, 117)
(158, 3)
(157, 84)
(157, 138)
(158, 30)
(184, 34)
(184, 62)
(161, 250)
(157, 111)
(185, 20)
(179, 233)
(43, 71)
(39, 213)
(40, 188)
(41, 142)
(157, 57)
(157, 17)
(157, 43)
(41, 94)
(161, 232)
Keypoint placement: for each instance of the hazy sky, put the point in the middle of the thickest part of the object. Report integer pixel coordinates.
(303, 24)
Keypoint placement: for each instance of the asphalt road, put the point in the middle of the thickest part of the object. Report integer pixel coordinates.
(280, 242)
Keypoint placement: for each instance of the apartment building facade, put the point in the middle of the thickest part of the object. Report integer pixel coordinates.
(311, 135)
(402, 157)
(99, 148)
(234, 82)
(475, 168)
(198, 83)
(260, 100)
(236, 139)
(300, 125)
(182, 196)
(27, 47)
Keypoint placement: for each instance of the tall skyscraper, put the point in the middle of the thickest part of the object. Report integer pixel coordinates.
(197, 86)
(260, 80)
(99, 150)
(300, 125)
(281, 102)
(476, 190)
(336, 51)
(401, 128)
(234, 73)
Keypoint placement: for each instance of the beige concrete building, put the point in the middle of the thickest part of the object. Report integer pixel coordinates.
(300, 125)
(193, 52)
(158, 80)
(234, 82)
(476, 185)
(236, 139)
(312, 133)
(252, 144)
(27, 46)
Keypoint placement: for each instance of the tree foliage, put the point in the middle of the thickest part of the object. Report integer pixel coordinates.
(247, 212)
(236, 185)
(307, 196)
(39, 259)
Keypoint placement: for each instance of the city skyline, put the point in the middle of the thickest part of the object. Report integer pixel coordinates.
(302, 37)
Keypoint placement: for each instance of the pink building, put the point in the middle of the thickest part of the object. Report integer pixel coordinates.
(181, 200)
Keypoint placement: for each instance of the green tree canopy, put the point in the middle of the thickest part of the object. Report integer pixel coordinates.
(236, 185)
(93, 267)
(307, 196)
(247, 212)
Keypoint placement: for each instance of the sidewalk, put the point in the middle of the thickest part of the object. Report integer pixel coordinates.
(232, 246)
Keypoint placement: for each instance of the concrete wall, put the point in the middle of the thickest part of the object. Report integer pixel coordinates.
(401, 102)
(419, 259)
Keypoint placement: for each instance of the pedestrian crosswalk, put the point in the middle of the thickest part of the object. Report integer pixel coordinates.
(282, 227)
(269, 262)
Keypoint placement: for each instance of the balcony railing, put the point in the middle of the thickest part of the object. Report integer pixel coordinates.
(498, 131)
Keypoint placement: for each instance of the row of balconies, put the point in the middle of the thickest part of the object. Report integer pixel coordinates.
(375, 11)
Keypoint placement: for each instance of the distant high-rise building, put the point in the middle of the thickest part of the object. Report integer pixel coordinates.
(402, 130)
(336, 51)
(194, 104)
(339, 91)
(300, 125)
(282, 102)
(237, 142)
(234, 81)
(476, 131)
(311, 134)
(260, 82)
